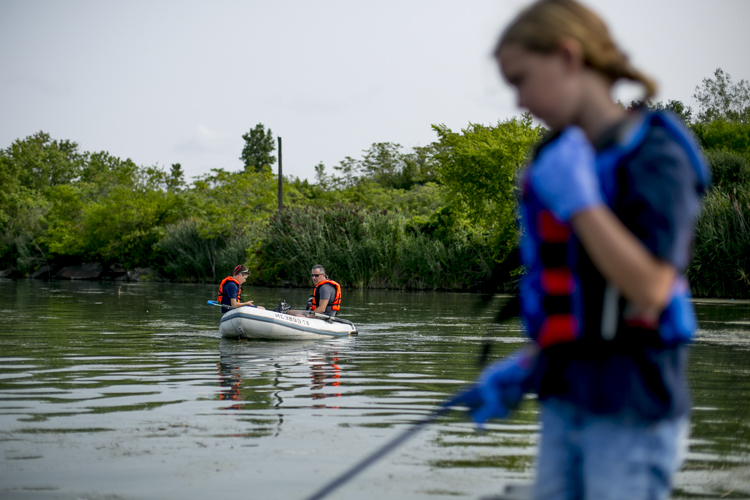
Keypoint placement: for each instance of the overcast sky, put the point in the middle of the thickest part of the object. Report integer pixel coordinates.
(165, 82)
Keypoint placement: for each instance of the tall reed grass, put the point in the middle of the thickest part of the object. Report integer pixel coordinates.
(189, 255)
(721, 263)
(367, 249)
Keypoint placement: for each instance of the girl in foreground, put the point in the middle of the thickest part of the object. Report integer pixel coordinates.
(607, 213)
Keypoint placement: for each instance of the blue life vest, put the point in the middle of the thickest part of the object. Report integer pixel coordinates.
(564, 298)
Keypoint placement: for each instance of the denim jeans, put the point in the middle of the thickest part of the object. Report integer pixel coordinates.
(594, 457)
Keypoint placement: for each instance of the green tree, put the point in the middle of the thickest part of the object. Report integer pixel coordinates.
(116, 214)
(422, 164)
(65, 233)
(383, 163)
(259, 144)
(224, 210)
(478, 169)
(176, 179)
(104, 171)
(677, 107)
(322, 179)
(350, 173)
(40, 162)
(724, 135)
(22, 226)
(124, 226)
(478, 166)
(29, 169)
(720, 99)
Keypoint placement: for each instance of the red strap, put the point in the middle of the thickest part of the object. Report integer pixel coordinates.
(556, 329)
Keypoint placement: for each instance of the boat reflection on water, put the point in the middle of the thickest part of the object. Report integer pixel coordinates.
(325, 372)
(260, 374)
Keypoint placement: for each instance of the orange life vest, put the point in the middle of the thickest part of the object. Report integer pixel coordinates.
(336, 305)
(221, 288)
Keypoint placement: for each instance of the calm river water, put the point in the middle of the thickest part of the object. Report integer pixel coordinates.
(125, 391)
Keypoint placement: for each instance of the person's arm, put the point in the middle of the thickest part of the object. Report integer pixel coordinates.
(248, 303)
(321, 308)
(640, 251)
(232, 291)
(622, 259)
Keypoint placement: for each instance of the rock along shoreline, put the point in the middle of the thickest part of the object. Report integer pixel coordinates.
(88, 271)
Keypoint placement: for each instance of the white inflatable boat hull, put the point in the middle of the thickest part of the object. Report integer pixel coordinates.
(252, 323)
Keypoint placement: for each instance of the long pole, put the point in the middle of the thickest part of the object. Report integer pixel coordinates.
(391, 445)
(281, 181)
(377, 455)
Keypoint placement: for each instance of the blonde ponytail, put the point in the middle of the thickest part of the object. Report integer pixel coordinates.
(541, 26)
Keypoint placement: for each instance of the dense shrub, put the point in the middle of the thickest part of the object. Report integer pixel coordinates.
(728, 169)
(726, 135)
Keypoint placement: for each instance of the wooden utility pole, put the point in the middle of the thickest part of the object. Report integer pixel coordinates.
(281, 181)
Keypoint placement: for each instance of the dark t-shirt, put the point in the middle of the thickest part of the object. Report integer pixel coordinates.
(658, 201)
(326, 291)
(230, 292)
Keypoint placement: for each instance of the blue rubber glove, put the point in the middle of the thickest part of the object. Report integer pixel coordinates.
(564, 175)
(499, 388)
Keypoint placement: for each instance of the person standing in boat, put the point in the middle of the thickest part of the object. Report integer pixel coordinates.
(230, 289)
(607, 213)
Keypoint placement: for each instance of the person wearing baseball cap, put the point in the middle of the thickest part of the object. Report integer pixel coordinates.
(230, 289)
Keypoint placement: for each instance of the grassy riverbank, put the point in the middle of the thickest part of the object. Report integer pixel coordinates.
(441, 217)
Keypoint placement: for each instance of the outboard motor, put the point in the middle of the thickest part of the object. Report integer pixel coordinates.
(283, 307)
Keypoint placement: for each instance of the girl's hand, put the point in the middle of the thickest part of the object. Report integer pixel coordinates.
(564, 175)
(500, 387)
